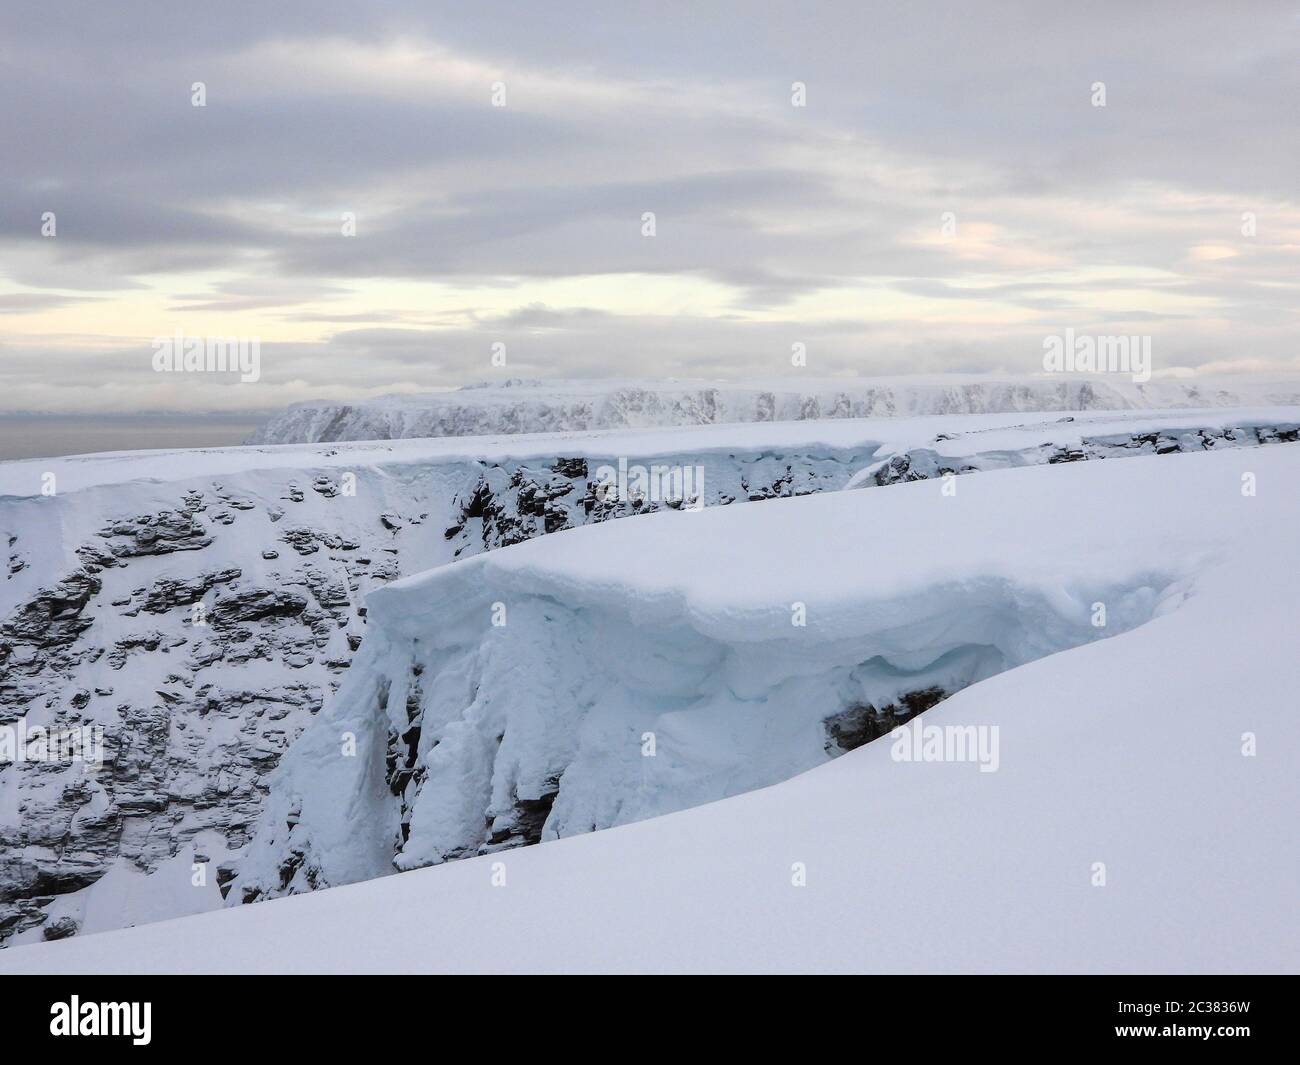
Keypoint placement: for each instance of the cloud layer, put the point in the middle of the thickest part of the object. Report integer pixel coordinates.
(949, 194)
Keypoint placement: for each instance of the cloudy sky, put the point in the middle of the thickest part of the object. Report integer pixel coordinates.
(523, 223)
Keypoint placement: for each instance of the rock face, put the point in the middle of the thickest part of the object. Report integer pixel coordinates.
(60, 929)
(201, 623)
(919, 464)
(515, 501)
(199, 673)
(852, 727)
(158, 534)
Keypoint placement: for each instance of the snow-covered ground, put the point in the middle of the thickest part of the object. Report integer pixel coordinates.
(1140, 817)
(515, 406)
(97, 622)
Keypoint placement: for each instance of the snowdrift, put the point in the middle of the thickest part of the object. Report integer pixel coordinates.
(511, 697)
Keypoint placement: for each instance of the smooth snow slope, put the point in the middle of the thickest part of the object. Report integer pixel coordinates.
(515, 406)
(1124, 751)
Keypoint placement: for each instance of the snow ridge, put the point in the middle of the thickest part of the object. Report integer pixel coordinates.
(516, 406)
(473, 737)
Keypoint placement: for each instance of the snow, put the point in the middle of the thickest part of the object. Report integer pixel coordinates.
(23, 479)
(761, 722)
(124, 897)
(1125, 751)
(514, 406)
(681, 627)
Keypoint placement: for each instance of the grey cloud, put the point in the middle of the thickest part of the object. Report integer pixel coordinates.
(913, 109)
(25, 302)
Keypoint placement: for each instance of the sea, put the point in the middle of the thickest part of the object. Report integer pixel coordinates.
(30, 436)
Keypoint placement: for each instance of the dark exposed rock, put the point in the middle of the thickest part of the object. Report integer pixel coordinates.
(169, 592)
(226, 873)
(898, 469)
(95, 558)
(862, 723)
(20, 916)
(924, 463)
(257, 604)
(52, 618)
(146, 641)
(328, 589)
(302, 540)
(60, 929)
(574, 469)
(526, 820)
(156, 534)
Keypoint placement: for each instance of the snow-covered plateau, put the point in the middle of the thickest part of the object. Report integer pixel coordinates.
(201, 606)
(531, 406)
(1107, 784)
